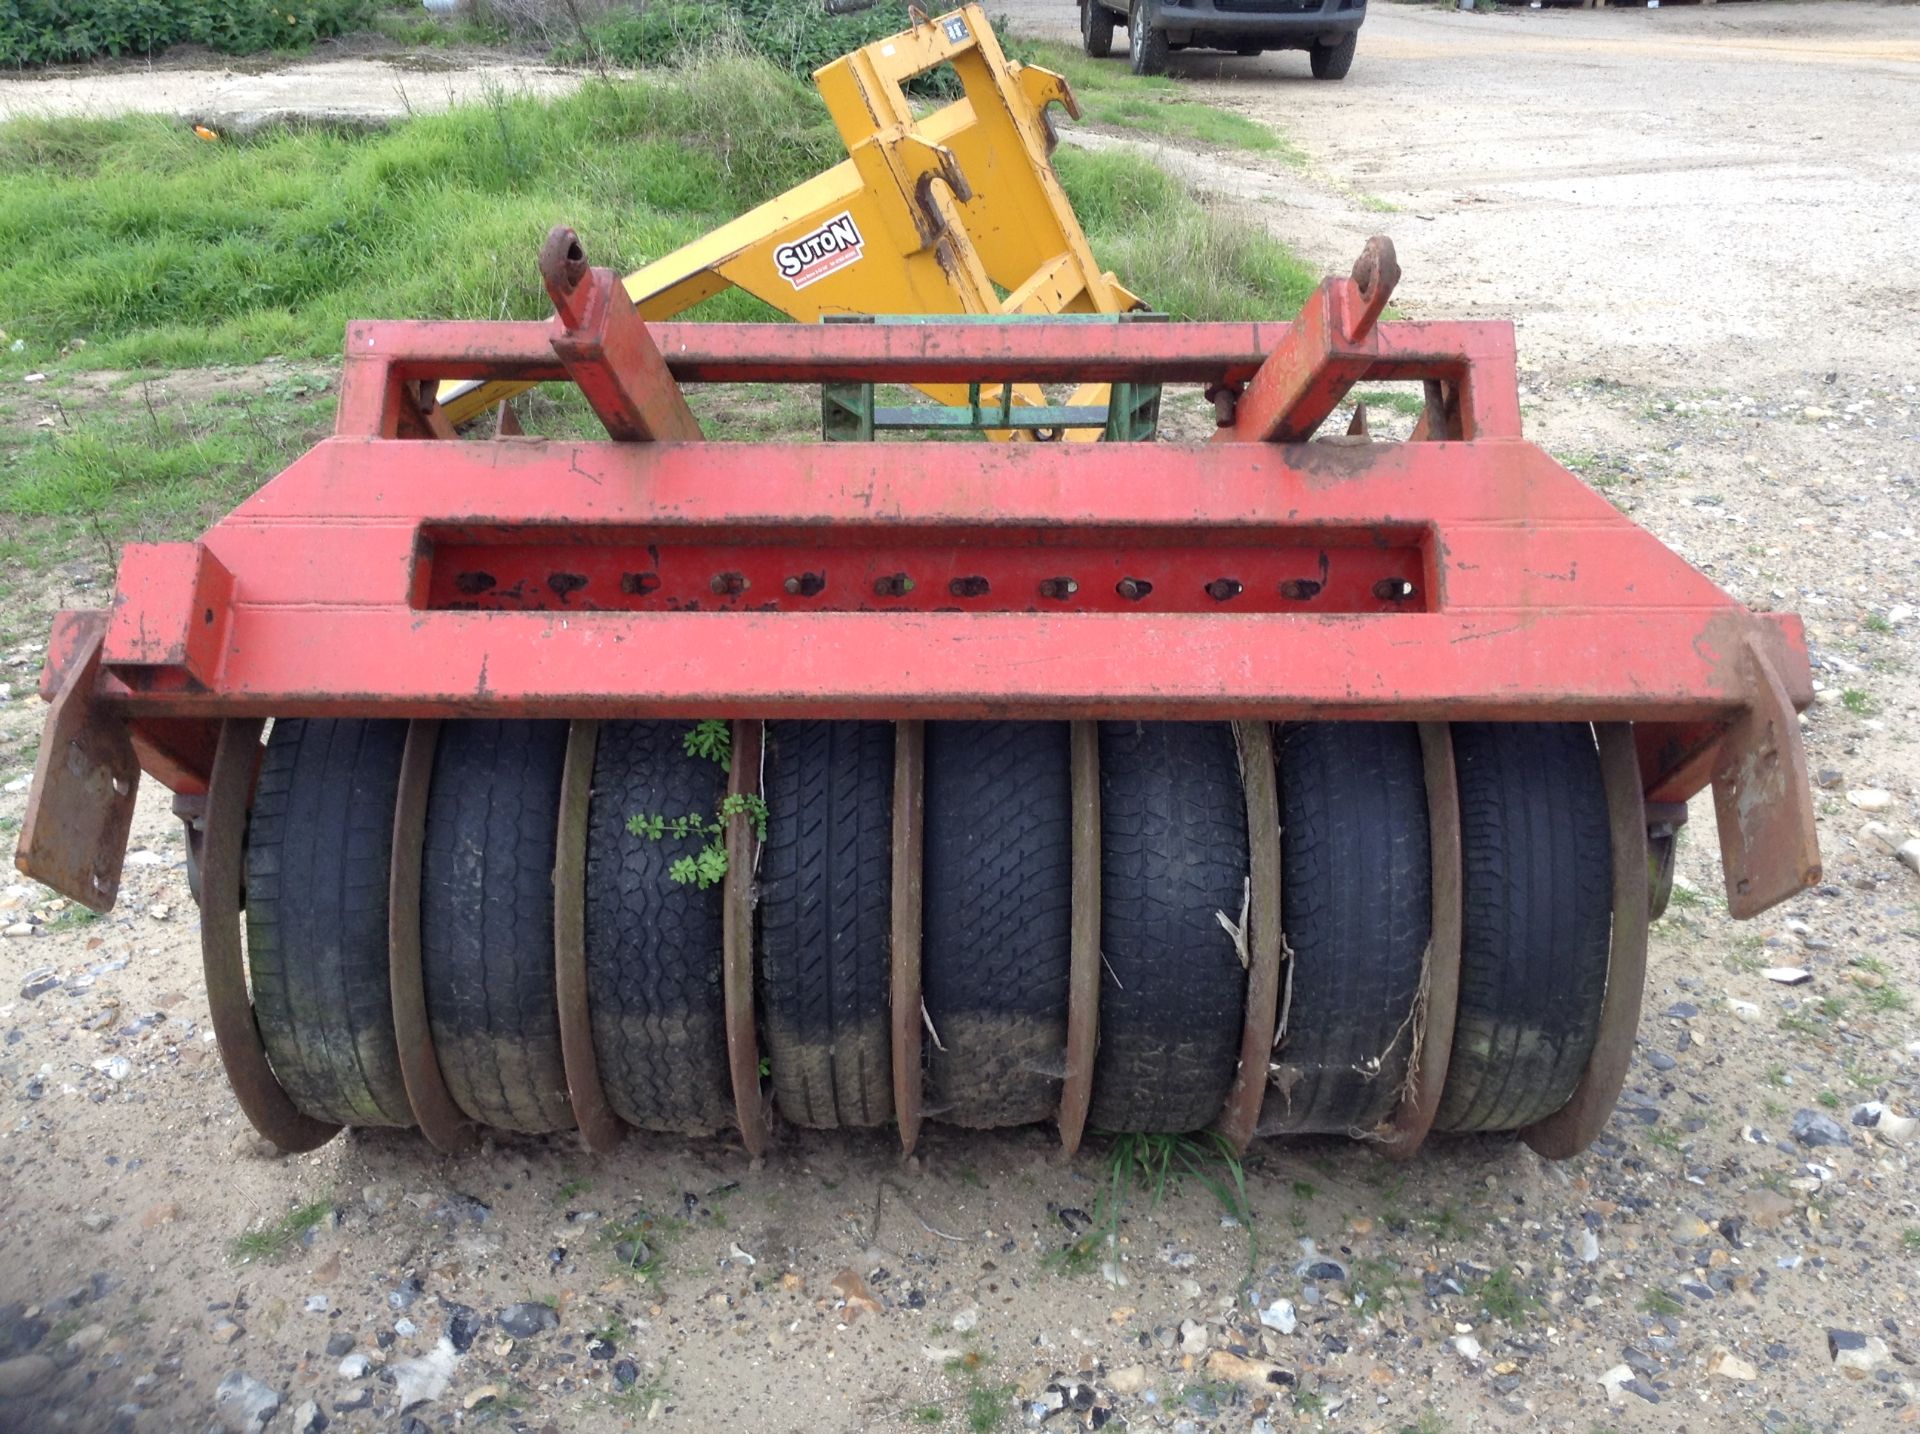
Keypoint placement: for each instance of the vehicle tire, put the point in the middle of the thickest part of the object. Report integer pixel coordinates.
(1173, 990)
(319, 858)
(1096, 29)
(1147, 48)
(654, 989)
(486, 922)
(826, 924)
(1356, 902)
(1537, 907)
(1331, 62)
(998, 899)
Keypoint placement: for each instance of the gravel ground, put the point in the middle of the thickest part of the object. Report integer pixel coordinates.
(1702, 224)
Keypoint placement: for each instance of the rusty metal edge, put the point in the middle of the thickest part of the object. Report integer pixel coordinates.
(736, 942)
(1083, 969)
(1407, 1128)
(444, 1124)
(259, 1092)
(599, 1126)
(1240, 1117)
(1572, 1128)
(909, 808)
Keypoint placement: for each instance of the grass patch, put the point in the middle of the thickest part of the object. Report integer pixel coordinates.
(1502, 1296)
(274, 1240)
(1858, 702)
(1910, 1240)
(1109, 95)
(1154, 1165)
(1183, 258)
(161, 250)
(131, 245)
(1658, 1302)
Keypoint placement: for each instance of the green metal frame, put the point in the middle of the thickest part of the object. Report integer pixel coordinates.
(849, 412)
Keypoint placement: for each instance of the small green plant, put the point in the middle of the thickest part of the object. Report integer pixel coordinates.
(1877, 622)
(711, 738)
(1657, 1301)
(1884, 999)
(1156, 1164)
(1428, 1423)
(571, 1188)
(1777, 1076)
(1664, 1136)
(1910, 1239)
(274, 1240)
(1828, 1099)
(929, 1414)
(1859, 703)
(1502, 1296)
(706, 867)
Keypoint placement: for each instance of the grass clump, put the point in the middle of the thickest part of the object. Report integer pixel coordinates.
(1181, 257)
(1109, 95)
(1502, 1296)
(272, 1241)
(1154, 1165)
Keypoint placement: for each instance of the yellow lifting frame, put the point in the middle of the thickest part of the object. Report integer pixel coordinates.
(935, 214)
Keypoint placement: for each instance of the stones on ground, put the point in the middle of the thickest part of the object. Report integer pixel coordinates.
(23, 1374)
(307, 1418)
(417, 1381)
(966, 1319)
(1690, 1228)
(87, 1338)
(1870, 799)
(1588, 1246)
(37, 982)
(1129, 1379)
(339, 1344)
(243, 1405)
(1815, 1131)
(96, 1223)
(225, 1330)
(1858, 1354)
(1728, 1365)
(1256, 1376)
(527, 1319)
(1788, 975)
(1280, 1316)
(355, 1366)
(850, 1288)
(1193, 1337)
(1468, 1348)
(1874, 1116)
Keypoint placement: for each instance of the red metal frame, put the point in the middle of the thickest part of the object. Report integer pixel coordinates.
(1464, 577)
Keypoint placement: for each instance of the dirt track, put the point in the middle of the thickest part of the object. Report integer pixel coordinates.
(1703, 224)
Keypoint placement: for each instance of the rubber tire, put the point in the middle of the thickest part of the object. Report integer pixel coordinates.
(1147, 48)
(1331, 62)
(1537, 907)
(654, 987)
(997, 913)
(1096, 29)
(1356, 902)
(319, 858)
(486, 922)
(826, 921)
(1173, 989)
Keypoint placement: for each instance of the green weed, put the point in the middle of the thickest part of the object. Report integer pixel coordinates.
(1858, 702)
(271, 1241)
(1155, 1165)
(1502, 1296)
(1658, 1302)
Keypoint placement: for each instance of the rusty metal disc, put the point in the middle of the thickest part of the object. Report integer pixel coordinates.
(1407, 1127)
(1572, 1128)
(443, 1123)
(1241, 1116)
(599, 1126)
(736, 942)
(909, 811)
(1083, 978)
(236, 760)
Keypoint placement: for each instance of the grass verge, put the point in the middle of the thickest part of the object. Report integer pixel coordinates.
(133, 247)
(1110, 95)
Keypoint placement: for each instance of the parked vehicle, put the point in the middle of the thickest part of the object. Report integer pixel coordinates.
(1328, 30)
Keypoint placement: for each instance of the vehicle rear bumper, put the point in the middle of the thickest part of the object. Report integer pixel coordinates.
(1264, 22)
